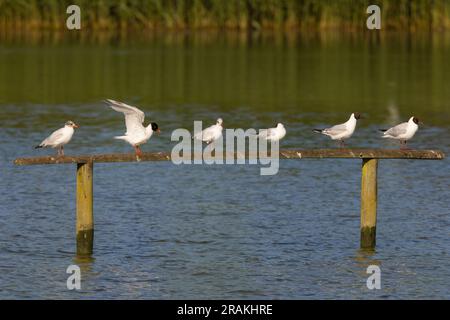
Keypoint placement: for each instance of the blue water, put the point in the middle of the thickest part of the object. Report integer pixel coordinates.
(166, 231)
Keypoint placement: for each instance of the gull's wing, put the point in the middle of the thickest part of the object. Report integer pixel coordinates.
(397, 130)
(206, 134)
(134, 118)
(54, 138)
(335, 129)
(266, 133)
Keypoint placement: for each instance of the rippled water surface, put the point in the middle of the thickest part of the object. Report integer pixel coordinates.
(196, 231)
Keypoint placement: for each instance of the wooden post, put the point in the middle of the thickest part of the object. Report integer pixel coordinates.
(85, 215)
(369, 203)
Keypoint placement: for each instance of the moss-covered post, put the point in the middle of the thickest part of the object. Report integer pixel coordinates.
(85, 204)
(369, 203)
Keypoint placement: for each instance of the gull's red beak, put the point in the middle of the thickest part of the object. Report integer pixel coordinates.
(75, 125)
(158, 131)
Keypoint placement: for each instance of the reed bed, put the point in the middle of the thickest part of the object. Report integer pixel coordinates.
(412, 15)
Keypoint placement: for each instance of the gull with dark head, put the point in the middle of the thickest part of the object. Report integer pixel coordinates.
(136, 134)
(273, 134)
(59, 138)
(211, 133)
(341, 131)
(402, 132)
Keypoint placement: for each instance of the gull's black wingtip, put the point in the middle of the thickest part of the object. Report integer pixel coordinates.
(317, 130)
(382, 130)
(37, 147)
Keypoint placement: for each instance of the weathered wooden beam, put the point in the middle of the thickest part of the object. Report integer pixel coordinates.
(369, 194)
(85, 206)
(284, 154)
(364, 154)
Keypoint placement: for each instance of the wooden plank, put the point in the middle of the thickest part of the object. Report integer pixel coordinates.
(284, 154)
(85, 206)
(364, 154)
(369, 203)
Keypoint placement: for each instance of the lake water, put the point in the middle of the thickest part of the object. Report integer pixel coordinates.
(196, 231)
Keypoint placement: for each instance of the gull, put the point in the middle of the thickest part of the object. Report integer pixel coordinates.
(341, 131)
(211, 133)
(59, 138)
(136, 134)
(273, 134)
(403, 132)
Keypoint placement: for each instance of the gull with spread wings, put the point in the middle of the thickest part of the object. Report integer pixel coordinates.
(136, 134)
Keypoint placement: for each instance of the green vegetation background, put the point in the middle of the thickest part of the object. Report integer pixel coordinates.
(402, 15)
